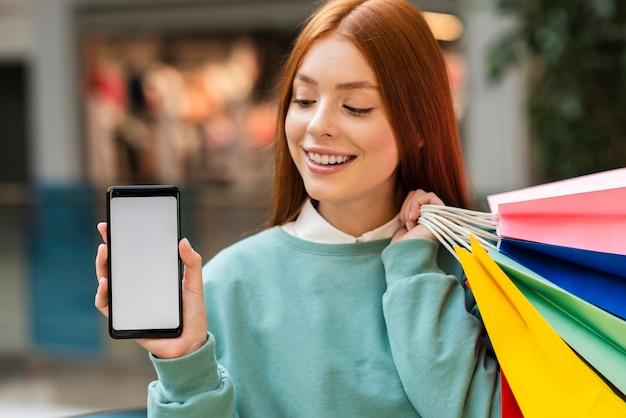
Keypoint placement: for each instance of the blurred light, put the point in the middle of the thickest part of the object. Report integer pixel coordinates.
(445, 27)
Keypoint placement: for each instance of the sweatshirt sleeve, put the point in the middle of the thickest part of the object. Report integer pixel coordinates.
(439, 348)
(191, 386)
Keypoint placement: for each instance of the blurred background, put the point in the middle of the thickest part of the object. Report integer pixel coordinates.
(101, 92)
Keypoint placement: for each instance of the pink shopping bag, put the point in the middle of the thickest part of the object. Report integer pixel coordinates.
(587, 212)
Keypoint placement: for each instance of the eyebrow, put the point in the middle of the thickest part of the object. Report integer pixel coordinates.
(351, 85)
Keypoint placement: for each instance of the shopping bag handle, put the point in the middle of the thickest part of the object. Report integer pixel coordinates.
(453, 226)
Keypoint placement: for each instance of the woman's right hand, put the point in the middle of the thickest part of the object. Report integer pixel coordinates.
(195, 326)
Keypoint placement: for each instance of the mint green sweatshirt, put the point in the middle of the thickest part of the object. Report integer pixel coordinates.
(303, 329)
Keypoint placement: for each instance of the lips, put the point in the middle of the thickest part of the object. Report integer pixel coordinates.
(328, 159)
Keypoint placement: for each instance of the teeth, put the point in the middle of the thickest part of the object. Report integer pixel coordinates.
(325, 159)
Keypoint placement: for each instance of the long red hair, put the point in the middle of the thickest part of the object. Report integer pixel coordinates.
(398, 44)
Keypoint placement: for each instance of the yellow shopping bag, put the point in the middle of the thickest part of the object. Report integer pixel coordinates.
(547, 378)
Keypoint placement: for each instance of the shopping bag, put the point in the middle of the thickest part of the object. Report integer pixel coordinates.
(570, 269)
(614, 264)
(546, 376)
(510, 407)
(605, 180)
(596, 335)
(586, 212)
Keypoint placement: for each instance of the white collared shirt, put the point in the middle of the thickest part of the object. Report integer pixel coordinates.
(311, 226)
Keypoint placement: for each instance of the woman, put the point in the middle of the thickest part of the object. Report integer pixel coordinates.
(345, 306)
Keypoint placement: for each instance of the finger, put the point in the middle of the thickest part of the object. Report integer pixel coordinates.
(410, 209)
(102, 267)
(102, 229)
(404, 209)
(192, 278)
(423, 199)
(420, 199)
(194, 310)
(102, 296)
(413, 203)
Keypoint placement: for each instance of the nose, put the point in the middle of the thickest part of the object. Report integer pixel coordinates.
(322, 122)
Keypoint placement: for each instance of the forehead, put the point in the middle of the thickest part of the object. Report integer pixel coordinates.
(335, 58)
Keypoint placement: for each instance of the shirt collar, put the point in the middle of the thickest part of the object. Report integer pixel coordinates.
(311, 226)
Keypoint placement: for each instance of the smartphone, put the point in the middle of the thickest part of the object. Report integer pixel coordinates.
(145, 270)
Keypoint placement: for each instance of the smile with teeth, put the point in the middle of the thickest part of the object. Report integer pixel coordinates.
(326, 159)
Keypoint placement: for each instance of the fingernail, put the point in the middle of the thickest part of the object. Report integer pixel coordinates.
(407, 225)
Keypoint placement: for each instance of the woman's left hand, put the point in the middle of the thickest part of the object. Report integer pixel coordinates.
(410, 212)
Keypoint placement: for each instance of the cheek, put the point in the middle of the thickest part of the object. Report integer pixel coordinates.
(292, 132)
(294, 126)
(387, 148)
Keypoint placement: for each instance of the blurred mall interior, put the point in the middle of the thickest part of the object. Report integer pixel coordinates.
(101, 92)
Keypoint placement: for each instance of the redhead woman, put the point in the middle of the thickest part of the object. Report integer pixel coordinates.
(344, 306)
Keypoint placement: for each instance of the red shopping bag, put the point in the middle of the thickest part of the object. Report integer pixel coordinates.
(510, 408)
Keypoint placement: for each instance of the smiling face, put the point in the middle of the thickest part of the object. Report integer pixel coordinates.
(338, 133)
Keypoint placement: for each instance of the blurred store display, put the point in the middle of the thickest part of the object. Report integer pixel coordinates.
(185, 109)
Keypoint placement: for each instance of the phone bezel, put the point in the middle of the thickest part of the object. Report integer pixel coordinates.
(143, 191)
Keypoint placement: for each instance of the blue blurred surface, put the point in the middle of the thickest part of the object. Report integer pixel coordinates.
(62, 241)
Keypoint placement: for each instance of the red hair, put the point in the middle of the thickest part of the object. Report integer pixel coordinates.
(406, 58)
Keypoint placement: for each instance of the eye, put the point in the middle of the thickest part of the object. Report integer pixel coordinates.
(358, 111)
(303, 102)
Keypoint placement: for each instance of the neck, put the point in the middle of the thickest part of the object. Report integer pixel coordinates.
(356, 218)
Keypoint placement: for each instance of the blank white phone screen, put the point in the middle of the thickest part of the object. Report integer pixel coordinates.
(144, 263)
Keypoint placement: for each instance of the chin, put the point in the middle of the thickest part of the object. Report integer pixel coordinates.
(321, 195)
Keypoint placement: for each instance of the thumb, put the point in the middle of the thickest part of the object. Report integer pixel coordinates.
(192, 278)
